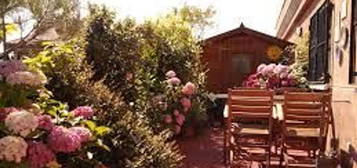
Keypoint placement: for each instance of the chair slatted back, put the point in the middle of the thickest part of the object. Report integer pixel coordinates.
(250, 104)
(302, 109)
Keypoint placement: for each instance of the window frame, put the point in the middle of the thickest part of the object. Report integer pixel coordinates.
(353, 43)
(319, 47)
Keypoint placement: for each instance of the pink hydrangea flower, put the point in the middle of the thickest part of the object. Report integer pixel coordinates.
(83, 111)
(129, 76)
(62, 139)
(174, 81)
(168, 119)
(163, 105)
(284, 75)
(12, 149)
(156, 99)
(6, 111)
(268, 70)
(261, 67)
(189, 89)
(170, 74)
(292, 82)
(278, 69)
(83, 133)
(39, 155)
(177, 129)
(186, 103)
(281, 69)
(176, 113)
(21, 122)
(284, 83)
(45, 122)
(180, 119)
(12, 66)
(291, 76)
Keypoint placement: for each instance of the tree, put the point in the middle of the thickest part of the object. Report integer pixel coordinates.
(41, 14)
(199, 19)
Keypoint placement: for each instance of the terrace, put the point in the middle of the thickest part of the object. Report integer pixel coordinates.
(178, 84)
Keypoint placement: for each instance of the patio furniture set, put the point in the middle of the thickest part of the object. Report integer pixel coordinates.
(284, 130)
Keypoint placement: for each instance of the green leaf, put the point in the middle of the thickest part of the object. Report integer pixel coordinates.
(102, 130)
(90, 124)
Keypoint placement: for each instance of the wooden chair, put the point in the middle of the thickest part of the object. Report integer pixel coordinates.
(249, 118)
(304, 126)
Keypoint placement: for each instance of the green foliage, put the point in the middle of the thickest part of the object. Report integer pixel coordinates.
(132, 59)
(113, 51)
(300, 67)
(302, 49)
(130, 143)
(198, 19)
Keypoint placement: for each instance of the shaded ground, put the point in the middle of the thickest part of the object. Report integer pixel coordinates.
(203, 151)
(206, 150)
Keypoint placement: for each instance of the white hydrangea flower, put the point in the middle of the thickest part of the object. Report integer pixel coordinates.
(26, 78)
(12, 148)
(21, 122)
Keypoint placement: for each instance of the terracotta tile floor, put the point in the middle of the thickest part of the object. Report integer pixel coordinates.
(206, 151)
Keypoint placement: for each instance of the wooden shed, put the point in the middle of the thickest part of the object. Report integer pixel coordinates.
(233, 55)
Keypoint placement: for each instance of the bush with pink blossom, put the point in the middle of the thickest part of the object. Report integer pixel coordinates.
(272, 76)
(35, 130)
(172, 107)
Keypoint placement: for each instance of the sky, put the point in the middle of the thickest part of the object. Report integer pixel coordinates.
(260, 15)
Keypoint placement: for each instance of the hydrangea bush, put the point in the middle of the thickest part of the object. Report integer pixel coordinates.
(170, 108)
(273, 76)
(131, 141)
(36, 131)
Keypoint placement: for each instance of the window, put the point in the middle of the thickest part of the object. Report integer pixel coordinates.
(353, 64)
(320, 24)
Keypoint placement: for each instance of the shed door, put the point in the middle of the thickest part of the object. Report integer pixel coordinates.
(240, 68)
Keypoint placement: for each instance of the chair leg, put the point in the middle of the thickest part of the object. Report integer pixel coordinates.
(281, 155)
(225, 146)
(269, 152)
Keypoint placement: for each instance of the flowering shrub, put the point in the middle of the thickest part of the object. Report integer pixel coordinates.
(170, 108)
(36, 135)
(272, 76)
(131, 141)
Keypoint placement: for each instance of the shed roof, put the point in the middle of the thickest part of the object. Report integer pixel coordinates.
(245, 30)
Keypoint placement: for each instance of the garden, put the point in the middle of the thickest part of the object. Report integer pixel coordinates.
(112, 92)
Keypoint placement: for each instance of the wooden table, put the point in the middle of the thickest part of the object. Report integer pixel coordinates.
(278, 113)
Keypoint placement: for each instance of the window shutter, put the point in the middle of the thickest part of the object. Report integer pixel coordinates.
(319, 46)
(312, 48)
